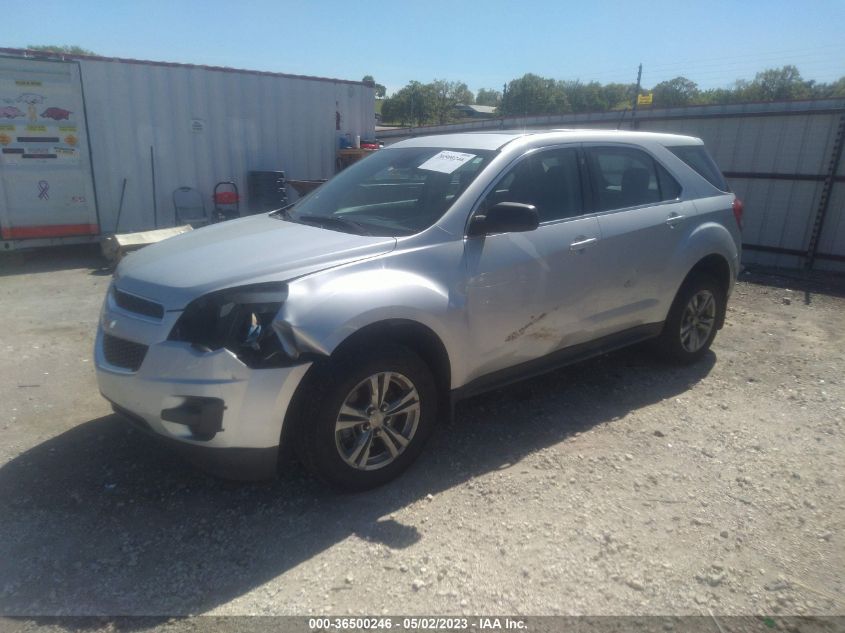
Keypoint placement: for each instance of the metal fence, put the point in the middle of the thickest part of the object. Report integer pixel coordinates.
(783, 159)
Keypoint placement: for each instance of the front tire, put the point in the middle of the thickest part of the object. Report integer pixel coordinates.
(367, 418)
(693, 320)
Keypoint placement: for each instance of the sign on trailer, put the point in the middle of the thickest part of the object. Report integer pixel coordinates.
(46, 183)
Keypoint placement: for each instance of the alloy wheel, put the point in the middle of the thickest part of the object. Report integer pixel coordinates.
(698, 321)
(377, 421)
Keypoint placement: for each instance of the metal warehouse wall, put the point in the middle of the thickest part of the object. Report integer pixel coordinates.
(782, 160)
(250, 121)
(777, 164)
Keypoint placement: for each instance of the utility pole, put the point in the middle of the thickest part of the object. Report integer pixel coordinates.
(636, 98)
(504, 94)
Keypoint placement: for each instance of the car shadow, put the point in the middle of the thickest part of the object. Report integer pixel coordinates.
(101, 520)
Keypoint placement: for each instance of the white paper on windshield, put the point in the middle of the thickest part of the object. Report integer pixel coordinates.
(446, 162)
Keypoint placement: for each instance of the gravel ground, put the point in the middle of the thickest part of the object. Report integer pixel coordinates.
(618, 486)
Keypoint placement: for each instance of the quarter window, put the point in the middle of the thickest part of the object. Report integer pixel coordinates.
(623, 177)
(696, 156)
(550, 180)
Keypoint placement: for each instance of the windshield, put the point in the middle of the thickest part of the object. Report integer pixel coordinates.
(392, 192)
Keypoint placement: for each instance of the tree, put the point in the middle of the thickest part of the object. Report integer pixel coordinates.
(380, 90)
(776, 84)
(532, 94)
(414, 104)
(585, 97)
(742, 90)
(446, 95)
(420, 104)
(64, 49)
(833, 89)
(718, 96)
(488, 97)
(679, 91)
(393, 111)
(618, 96)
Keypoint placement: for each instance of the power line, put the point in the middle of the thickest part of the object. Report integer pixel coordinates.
(818, 64)
(756, 55)
(730, 74)
(723, 62)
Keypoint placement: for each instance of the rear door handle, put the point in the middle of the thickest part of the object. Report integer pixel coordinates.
(673, 219)
(582, 242)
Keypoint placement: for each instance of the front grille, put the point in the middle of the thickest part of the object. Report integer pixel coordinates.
(122, 353)
(138, 305)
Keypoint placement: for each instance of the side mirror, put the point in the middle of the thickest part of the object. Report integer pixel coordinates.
(505, 217)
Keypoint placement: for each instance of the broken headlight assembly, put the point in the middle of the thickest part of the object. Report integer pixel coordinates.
(239, 319)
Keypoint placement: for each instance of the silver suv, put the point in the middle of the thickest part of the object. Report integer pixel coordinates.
(346, 325)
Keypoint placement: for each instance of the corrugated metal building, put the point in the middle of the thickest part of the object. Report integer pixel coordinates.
(193, 125)
(783, 159)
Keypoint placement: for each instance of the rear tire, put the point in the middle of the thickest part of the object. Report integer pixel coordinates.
(367, 417)
(693, 319)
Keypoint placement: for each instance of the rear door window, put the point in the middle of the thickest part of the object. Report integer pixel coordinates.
(669, 187)
(626, 177)
(698, 158)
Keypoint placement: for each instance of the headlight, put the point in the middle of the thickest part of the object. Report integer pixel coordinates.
(239, 319)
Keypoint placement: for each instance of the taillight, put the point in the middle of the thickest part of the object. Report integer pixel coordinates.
(738, 209)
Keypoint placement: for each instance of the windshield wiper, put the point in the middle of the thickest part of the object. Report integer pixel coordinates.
(322, 220)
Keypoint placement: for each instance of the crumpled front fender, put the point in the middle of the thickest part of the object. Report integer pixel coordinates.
(323, 311)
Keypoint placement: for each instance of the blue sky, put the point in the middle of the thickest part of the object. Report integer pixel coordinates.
(482, 43)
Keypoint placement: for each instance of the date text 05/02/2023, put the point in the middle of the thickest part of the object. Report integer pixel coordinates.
(491, 623)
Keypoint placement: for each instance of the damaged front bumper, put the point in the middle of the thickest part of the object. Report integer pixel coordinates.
(209, 404)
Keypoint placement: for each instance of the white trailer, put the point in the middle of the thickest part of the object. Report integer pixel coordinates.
(73, 128)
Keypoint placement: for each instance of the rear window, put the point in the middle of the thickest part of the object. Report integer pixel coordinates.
(696, 156)
(624, 177)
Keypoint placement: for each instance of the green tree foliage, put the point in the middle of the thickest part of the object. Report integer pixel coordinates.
(420, 104)
(462, 94)
(488, 97)
(532, 94)
(446, 95)
(618, 96)
(679, 91)
(583, 97)
(780, 83)
(65, 49)
(412, 105)
(834, 89)
(380, 90)
(718, 96)
(774, 84)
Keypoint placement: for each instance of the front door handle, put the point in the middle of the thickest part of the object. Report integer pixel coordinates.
(581, 242)
(673, 219)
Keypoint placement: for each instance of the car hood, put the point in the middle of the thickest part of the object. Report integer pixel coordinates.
(249, 250)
